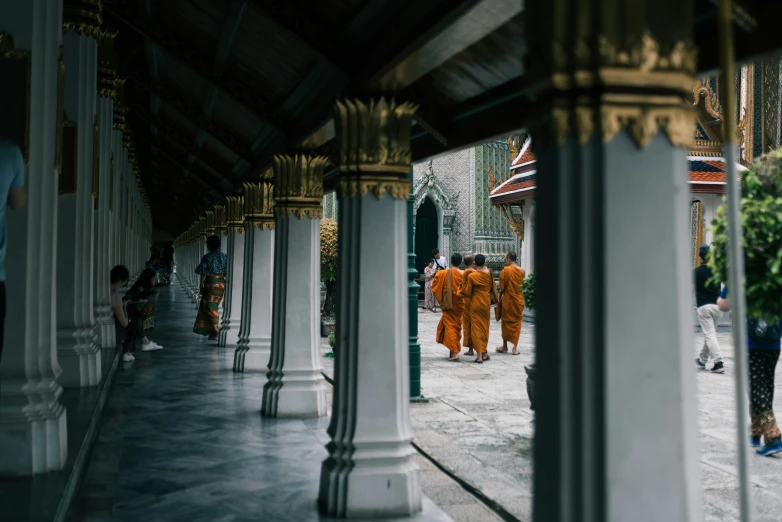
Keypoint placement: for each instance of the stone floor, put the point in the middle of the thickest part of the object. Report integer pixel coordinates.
(478, 425)
(182, 439)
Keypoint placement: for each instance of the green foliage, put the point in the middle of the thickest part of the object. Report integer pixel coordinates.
(761, 215)
(328, 250)
(332, 340)
(528, 291)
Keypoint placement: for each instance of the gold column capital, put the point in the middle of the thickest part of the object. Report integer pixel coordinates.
(373, 147)
(201, 228)
(234, 213)
(221, 226)
(211, 225)
(600, 67)
(258, 205)
(298, 185)
(83, 16)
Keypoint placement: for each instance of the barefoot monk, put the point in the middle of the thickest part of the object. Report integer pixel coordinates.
(445, 288)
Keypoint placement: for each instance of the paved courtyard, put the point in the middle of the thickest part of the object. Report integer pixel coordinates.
(478, 425)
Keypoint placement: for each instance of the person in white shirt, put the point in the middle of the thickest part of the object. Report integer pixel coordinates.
(440, 263)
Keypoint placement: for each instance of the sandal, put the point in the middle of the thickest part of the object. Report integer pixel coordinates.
(453, 359)
(486, 357)
(515, 352)
(478, 361)
(500, 349)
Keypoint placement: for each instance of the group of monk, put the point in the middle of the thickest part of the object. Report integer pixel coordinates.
(466, 297)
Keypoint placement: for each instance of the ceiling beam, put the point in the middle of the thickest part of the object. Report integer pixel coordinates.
(175, 136)
(239, 145)
(463, 26)
(245, 95)
(162, 154)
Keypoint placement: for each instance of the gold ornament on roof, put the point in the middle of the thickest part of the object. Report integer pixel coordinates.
(83, 16)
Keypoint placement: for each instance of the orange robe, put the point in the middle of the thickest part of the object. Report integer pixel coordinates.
(511, 279)
(449, 329)
(478, 290)
(466, 338)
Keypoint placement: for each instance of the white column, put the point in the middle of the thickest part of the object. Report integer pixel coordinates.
(232, 312)
(103, 240)
(77, 351)
(295, 385)
(370, 470)
(33, 434)
(255, 337)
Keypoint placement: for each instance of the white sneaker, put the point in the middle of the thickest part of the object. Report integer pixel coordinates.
(128, 357)
(151, 347)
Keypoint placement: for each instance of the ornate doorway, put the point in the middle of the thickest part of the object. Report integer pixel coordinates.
(425, 233)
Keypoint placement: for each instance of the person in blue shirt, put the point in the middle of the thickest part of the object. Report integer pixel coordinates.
(763, 342)
(212, 271)
(13, 195)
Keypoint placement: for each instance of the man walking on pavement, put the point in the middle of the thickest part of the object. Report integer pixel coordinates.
(706, 294)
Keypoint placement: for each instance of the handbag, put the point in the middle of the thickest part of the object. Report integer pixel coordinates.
(147, 314)
(496, 299)
(447, 303)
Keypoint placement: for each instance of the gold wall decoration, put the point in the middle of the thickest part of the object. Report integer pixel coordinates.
(234, 213)
(298, 185)
(258, 205)
(15, 68)
(68, 179)
(83, 16)
(221, 226)
(492, 180)
(60, 110)
(514, 219)
(373, 147)
(696, 230)
(96, 161)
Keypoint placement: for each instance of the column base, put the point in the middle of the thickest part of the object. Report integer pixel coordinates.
(295, 394)
(79, 357)
(104, 318)
(33, 435)
(378, 481)
(229, 334)
(253, 356)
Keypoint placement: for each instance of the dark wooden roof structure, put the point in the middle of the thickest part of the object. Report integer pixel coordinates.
(213, 88)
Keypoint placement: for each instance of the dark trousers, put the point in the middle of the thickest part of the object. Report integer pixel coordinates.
(762, 367)
(2, 317)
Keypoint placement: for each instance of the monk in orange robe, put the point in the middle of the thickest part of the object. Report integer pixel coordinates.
(478, 289)
(449, 329)
(469, 263)
(511, 279)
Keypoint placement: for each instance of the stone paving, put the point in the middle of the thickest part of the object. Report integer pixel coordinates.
(478, 425)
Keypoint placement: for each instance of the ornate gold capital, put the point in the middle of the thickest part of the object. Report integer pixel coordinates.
(234, 213)
(108, 74)
(83, 16)
(211, 225)
(373, 147)
(298, 185)
(201, 228)
(258, 205)
(221, 226)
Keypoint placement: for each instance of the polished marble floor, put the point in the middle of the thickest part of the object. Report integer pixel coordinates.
(182, 439)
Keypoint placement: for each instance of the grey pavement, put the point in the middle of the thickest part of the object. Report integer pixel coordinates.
(478, 425)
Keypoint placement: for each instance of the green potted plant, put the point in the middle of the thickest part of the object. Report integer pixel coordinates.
(328, 273)
(332, 344)
(761, 215)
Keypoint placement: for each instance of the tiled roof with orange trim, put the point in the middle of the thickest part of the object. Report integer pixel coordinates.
(524, 157)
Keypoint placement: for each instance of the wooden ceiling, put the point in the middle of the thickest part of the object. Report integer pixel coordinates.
(216, 87)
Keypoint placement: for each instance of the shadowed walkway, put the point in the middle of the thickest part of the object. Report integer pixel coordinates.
(182, 439)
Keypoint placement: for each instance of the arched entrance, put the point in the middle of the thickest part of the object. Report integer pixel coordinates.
(425, 233)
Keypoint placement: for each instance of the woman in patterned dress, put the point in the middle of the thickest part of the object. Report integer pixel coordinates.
(212, 271)
(429, 272)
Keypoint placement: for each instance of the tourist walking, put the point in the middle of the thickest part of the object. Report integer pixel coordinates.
(763, 343)
(13, 195)
(212, 271)
(429, 273)
(469, 268)
(511, 279)
(446, 287)
(478, 289)
(706, 294)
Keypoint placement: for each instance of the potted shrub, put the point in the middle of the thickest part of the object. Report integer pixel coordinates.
(328, 273)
